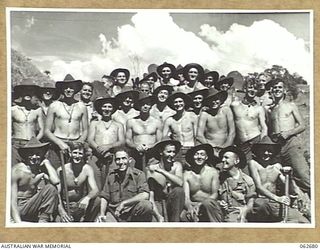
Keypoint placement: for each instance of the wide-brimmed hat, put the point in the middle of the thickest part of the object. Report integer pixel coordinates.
(158, 148)
(169, 65)
(24, 90)
(179, 70)
(147, 76)
(115, 72)
(242, 157)
(214, 74)
(143, 98)
(163, 87)
(222, 96)
(228, 80)
(69, 81)
(100, 101)
(134, 94)
(32, 146)
(266, 142)
(193, 65)
(212, 159)
(49, 87)
(187, 99)
(202, 92)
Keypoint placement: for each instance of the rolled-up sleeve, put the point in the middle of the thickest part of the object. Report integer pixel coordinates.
(105, 192)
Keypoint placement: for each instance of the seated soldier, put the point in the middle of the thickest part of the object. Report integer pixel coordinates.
(267, 174)
(125, 194)
(81, 186)
(201, 184)
(34, 196)
(165, 179)
(237, 191)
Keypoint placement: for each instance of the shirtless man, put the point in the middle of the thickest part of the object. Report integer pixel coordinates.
(108, 83)
(121, 77)
(237, 191)
(143, 131)
(225, 84)
(249, 119)
(263, 96)
(67, 119)
(165, 179)
(197, 99)
(286, 123)
(267, 173)
(82, 188)
(48, 94)
(166, 71)
(193, 73)
(181, 126)
(126, 111)
(160, 109)
(104, 135)
(85, 96)
(26, 118)
(34, 196)
(201, 184)
(145, 88)
(216, 125)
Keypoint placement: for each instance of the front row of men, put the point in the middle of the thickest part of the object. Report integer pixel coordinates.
(206, 189)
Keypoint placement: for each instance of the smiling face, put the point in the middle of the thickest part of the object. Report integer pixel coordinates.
(251, 91)
(145, 88)
(178, 104)
(106, 109)
(47, 95)
(168, 153)
(128, 102)
(229, 160)
(121, 159)
(224, 86)
(77, 155)
(163, 95)
(107, 83)
(208, 81)
(193, 74)
(166, 72)
(121, 78)
(200, 157)
(197, 101)
(146, 106)
(278, 90)
(215, 104)
(265, 154)
(34, 159)
(68, 91)
(86, 92)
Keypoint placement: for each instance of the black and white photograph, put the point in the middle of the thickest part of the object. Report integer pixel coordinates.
(160, 118)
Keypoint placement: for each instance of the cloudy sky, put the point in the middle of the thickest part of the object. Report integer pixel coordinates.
(88, 45)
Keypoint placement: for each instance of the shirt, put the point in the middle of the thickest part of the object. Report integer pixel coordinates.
(134, 183)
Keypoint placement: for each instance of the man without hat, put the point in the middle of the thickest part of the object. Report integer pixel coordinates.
(181, 126)
(286, 124)
(237, 191)
(268, 173)
(103, 136)
(26, 117)
(143, 131)
(67, 119)
(34, 195)
(216, 124)
(108, 83)
(201, 184)
(86, 94)
(165, 179)
(249, 119)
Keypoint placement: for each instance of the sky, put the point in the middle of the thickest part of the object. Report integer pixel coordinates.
(89, 45)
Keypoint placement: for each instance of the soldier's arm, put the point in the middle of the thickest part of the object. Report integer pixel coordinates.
(14, 195)
(262, 122)
(175, 178)
(92, 182)
(202, 123)
(84, 121)
(91, 134)
(166, 127)
(231, 127)
(53, 176)
(129, 134)
(215, 184)
(40, 123)
(299, 122)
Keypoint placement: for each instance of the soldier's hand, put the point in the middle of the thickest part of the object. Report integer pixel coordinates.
(284, 200)
(285, 134)
(119, 209)
(101, 218)
(64, 216)
(83, 204)
(223, 205)
(140, 148)
(63, 147)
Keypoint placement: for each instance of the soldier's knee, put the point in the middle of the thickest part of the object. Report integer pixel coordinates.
(144, 206)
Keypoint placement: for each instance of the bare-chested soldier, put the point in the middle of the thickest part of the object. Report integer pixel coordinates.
(181, 126)
(225, 84)
(197, 99)
(26, 118)
(143, 131)
(201, 185)
(34, 195)
(48, 94)
(67, 119)
(249, 118)
(268, 175)
(126, 101)
(104, 135)
(216, 125)
(286, 123)
(165, 179)
(82, 188)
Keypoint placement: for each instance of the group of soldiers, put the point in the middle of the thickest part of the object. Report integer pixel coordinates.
(180, 145)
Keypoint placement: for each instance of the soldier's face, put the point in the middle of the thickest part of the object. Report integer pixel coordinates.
(178, 104)
(68, 92)
(163, 95)
(145, 108)
(145, 88)
(229, 160)
(224, 87)
(121, 78)
(208, 81)
(121, 160)
(86, 92)
(251, 91)
(166, 72)
(150, 80)
(169, 153)
(34, 159)
(278, 90)
(108, 83)
(77, 155)
(47, 95)
(106, 109)
(193, 74)
(215, 104)
(200, 157)
(197, 101)
(128, 101)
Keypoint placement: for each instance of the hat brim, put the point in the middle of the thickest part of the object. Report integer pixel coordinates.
(39, 148)
(214, 74)
(169, 65)
(24, 90)
(242, 157)
(202, 92)
(156, 150)
(259, 147)
(134, 94)
(212, 159)
(76, 85)
(228, 80)
(187, 100)
(222, 96)
(139, 103)
(115, 72)
(98, 103)
(193, 65)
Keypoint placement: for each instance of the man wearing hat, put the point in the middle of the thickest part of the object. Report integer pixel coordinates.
(144, 130)
(193, 73)
(216, 124)
(166, 71)
(121, 77)
(150, 79)
(165, 178)
(67, 119)
(249, 119)
(48, 94)
(197, 99)
(103, 136)
(34, 196)
(268, 173)
(237, 191)
(181, 126)
(210, 79)
(286, 124)
(160, 109)
(179, 76)
(126, 101)
(201, 184)
(26, 116)
(225, 84)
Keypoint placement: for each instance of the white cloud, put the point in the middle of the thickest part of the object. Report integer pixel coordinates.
(153, 37)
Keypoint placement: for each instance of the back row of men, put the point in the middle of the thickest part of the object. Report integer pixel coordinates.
(190, 111)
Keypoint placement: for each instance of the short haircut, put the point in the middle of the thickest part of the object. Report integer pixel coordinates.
(121, 149)
(88, 84)
(249, 81)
